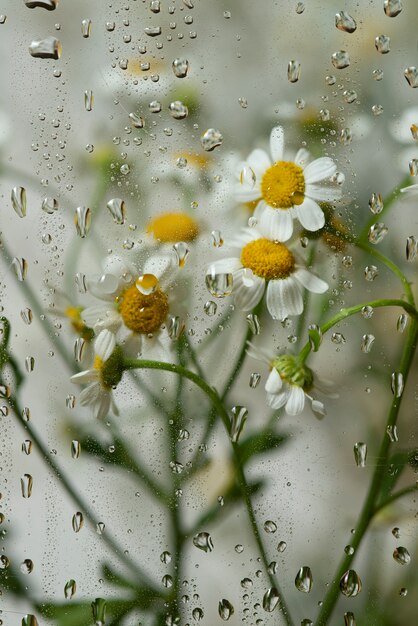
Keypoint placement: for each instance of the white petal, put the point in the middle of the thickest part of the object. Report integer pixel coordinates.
(411, 189)
(277, 400)
(105, 287)
(120, 268)
(276, 224)
(90, 394)
(247, 297)
(277, 143)
(102, 406)
(92, 314)
(274, 383)
(296, 401)
(323, 194)
(159, 266)
(224, 266)
(274, 300)
(310, 215)
(104, 344)
(318, 409)
(259, 162)
(320, 169)
(302, 157)
(87, 376)
(310, 281)
(284, 298)
(107, 318)
(246, 194)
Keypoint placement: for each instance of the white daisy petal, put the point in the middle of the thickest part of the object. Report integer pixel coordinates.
(118, 267)
(101, 408)
(302, 157)
(274, 300)
(246, 194)
(247, 297)
(276, 224)
(90, 394)
(320, 169)
(296, 401)
(104, 344)
(323, 194)
(274, 382)
(310, 215)
(277, 400)
(158, 265)
(224, 266)
(104, 287)
(277, 143)
(92, 314)
(318, 409)
(88, 376)
(310, 281)
(292, 296)
(259, 161)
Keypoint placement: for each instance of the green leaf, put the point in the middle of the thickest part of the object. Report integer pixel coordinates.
(259, 443)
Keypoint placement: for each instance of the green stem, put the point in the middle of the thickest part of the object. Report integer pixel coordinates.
(344, 313)
(306, 294)
(369, 506)
(221, 411)
(395, 496)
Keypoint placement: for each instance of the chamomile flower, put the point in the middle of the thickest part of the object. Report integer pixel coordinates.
(286, 190)
(63, 307)
(135, 302)
(263, 264)
(105, 374)
(289, 383)
(172, 227)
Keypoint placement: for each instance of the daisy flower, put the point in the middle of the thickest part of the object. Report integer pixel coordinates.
(289, 383)
(105, 374)
(64, 308)
(266, 265)
(286, 190)
(135, 302)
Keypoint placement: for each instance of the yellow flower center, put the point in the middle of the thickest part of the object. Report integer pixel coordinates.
(74, 315)
(283, 185)
(143, 314)
(173, 227)
(268, 259)
(98, 363)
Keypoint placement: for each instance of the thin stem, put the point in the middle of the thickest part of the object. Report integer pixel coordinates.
(395, 496)
(344, 313)
(369, 506)
(221, 411)
(306, 294)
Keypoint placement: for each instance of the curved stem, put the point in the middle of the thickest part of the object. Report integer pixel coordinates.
(304, 353)
(369, 506)
(395, 496)
(221, 411)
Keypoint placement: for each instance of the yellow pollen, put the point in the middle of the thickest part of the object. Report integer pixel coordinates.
(268, 259)
(98, 363)
(173, 227)
(283, 185)
(143, 314)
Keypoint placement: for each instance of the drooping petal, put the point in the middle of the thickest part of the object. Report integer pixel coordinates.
(102, 406)
(296, 401)
(274, 382)
(104, 344)
(320, 169)
(310, 281)
(302, 157)
(277, 400)
(224, 266)
(158, 265)
(276, 224)
(318, 409)
(323, 194)
(99, 317)
(277, 143)
(87, 376)
(310, 215)
(247, 296)
(90, 394)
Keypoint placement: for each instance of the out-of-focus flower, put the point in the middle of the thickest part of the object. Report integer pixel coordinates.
(266, 265)
(64, 308)
(105, 374)
(401, 127)
(286, 190)
(173, 226)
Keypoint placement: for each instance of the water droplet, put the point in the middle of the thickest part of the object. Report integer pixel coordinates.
(402, 556)
(382, 43)
(377, 74)
(325, 116)
(77, 521)
(281, 547)
(303, 580)
(376, 203)
(315, 337)
(239, 548)
(167, 581)
(377, 109)
(350, 95)
(155, 106)
(293, 71)
(165, 557)
(98, 607)
(340, 59)
(88, 100)
(75, 449)
(344, 22)
(26, 567)
(349, 619)
(80, 281)
(414, 131)
(153, 31)
(180, 67)
(270, 599)
(178, 110)
(401, 323)
(197, 614)
(243, 102)
(49, 205)
(238, 418)
(182, 252)
(411, 75)
(392, 8)
(350, 584)
(338, 338)
(225, 609)
(413, 167)
(100, 528)
(360, 453)
(219, 285)
(203, 541)
(176, 467)
(18, 197)
(49, 5)
(253, 323)
(136, 120)
(26, 484)
(411, 248)
(370, 272)
(27, 446)
(270, 526)
(86, 28)
(211, 139)
(246, 583)
(5, 391)
(25, 413)
(70, 589)
(27, 316)
(255, 378)
(217, 240)
(392, 433)
(377, 232)
(396, 384)
(367, 342)
(117, 210)
(367, 312)
(396, 532)
(49, 48)
(349, 550)
(175, 327)
(29, 620)
(82, 221)
(210, 308)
